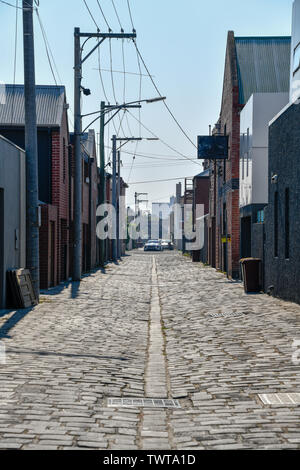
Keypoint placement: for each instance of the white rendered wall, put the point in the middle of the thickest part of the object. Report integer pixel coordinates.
(255, 117)
(295, 77)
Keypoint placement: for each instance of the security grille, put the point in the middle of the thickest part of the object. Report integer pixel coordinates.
(142, 402)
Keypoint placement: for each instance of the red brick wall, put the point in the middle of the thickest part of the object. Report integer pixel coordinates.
(201, 188)
(89, 253)
(94, 183)
(60, 195)
(230, 124)
(49, 214)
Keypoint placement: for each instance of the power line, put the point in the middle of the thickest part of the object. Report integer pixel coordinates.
(133, 160)
(139, 67)
(11, 5)
(162, 181)
(103, 87)
(121, 71)
(91, 15)
(49, 47)
(46, 47)
(130, 14)
(124, 85)
(165, 104)
(124, 72)
(111, 72)
(113, 3)
(154, 84)
(156, 156)
(21, 8)
(165, 143)
(113, 83)
(101, 78)
(158, 165)
(104, 17)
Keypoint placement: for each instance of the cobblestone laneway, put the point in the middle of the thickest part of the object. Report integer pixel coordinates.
(148, 328)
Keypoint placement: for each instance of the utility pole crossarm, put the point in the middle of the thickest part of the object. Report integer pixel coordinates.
(107, 35)
(118, 110)
(129, 139)
(91, 52)
(102, 36)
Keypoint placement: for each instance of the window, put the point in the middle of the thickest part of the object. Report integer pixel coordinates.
(248, 148)
(64, 160)
(224, 220)
(296, 59)
(276, 224)
(260, 217)
(243, 156)
(287, 223)
(86, 171)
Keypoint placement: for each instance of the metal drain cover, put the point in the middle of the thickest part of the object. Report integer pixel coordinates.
(227, 315)
(288, 399)
(142, 402)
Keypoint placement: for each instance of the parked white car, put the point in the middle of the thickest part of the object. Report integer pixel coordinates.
(153, 245)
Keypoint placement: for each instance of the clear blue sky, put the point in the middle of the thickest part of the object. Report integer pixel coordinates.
(183, 44)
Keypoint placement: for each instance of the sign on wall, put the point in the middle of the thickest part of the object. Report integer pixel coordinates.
(212, 147)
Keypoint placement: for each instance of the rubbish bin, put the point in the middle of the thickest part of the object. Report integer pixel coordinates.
(251, 271)
(196, 256)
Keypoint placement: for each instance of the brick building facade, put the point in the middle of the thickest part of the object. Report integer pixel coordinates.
(54, 171)
(254, 64)
(282, 215)
(201, 186)
(282, 262)
(90, 199)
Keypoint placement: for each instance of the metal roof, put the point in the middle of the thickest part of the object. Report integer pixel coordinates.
(88, 141)
(50, 102)
(4, 139)
(263, 65)
(204, 174)
(84, 145)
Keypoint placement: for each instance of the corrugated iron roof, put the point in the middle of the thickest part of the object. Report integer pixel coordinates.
(88, 141)
(49, 106)
(263, 65)
(203, 174)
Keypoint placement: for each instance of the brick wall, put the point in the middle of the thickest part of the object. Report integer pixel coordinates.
(225, 177)
(201, 196)
(90, 192)
(60, 196)
(94, 205)
(49, 214)
(282, 272)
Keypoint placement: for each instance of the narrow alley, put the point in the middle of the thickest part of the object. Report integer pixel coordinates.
(156, 328)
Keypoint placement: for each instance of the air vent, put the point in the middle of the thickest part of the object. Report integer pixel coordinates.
(283, 399)
(142, 402)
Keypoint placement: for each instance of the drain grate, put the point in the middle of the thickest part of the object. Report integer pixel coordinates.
(142, 402)
(289, 399)
(227, 315)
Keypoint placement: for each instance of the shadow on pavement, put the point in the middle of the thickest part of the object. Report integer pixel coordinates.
(51, 353)
(13, 320)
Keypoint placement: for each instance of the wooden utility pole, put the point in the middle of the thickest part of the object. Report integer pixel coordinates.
(31, 148)
(79, 60)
